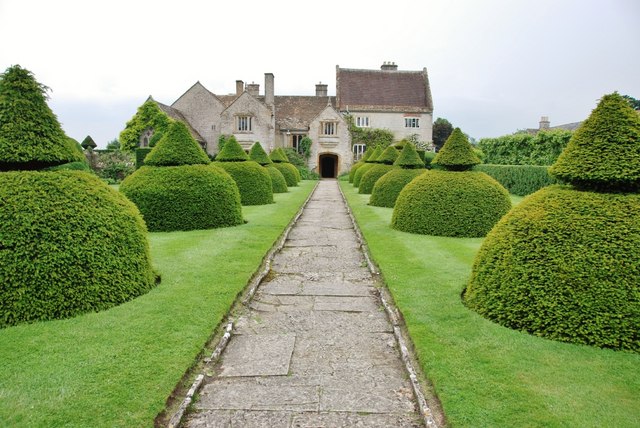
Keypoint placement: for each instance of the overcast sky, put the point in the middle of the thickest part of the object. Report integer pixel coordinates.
(495, 66)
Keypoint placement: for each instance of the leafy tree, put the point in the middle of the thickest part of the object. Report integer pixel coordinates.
(148, 116)
(113, 145)
(305, 147)
(442, 128)
(635, 104)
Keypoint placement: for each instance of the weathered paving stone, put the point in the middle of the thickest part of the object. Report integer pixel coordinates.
(313, 348)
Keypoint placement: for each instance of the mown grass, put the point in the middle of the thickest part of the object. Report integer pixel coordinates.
(486, 375)
(118, 367)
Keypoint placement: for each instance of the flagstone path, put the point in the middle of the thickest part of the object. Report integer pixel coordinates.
(314, 348)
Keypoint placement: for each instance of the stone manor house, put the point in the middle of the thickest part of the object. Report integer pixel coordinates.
(397, 100)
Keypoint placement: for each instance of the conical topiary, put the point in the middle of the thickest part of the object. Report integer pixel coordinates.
(384, 165)
(388, 156)
(69, 244)
(281, 162)
(278, 156)
(456, 154)
(232, 151)
(604, 152)
(88, 143)
(358, 164)
(258, 154)
(30, 135)
(177, 147)
(409, 158)
(367, 165)
(563, 263)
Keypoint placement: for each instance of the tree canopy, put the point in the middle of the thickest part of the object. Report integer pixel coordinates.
(442, 128)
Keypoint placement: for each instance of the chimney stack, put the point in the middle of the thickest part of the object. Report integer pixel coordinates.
(321, 90)
(253, 89)
(239, 87)
(389, 66)
(268, 89)
(544, 122)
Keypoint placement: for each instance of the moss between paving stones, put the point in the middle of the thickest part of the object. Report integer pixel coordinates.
(278, 182)
(185, 197)
(69, 244)
(450, 203)
(253, 180)
(370, 178)
(564, 265)
(388, 187)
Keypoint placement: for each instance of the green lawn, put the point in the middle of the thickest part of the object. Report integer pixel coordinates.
(486, 375)
(117, 368)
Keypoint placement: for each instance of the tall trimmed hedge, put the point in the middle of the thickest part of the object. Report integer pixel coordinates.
(519, 179)
(186, 197)
(564, 265)
(450, 203)
(542, 148)
(69, 244)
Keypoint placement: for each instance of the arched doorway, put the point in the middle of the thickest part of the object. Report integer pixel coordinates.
(328, 163)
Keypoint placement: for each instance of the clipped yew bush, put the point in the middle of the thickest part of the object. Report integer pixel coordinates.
(363, 159)
(278, 182)
(452, 200)
(253, 181)
(384, 165)
(563, 264)
(176, 190)
(281, 163)
(388, 187)
(373, 159)
(69, 244)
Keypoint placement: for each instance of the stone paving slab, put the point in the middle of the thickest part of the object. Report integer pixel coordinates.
(258, 355)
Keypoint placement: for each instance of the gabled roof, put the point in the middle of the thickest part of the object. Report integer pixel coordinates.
(297, 112)
(192, 88)
(177, 115)
(383, 90)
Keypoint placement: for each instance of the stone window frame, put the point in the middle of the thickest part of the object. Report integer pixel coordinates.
(329, 128)
(358, 151)
(412, 122)
(244, 122)
(362, 121)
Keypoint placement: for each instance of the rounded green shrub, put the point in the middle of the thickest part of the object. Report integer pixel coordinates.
(450, 203)
(563, 264)
(388, 187)
(289, 172)
(253, 181)
(184, 197)
(278, 182)
(69, 244)
(370, 178)
(377, 151)
(363, 159)
(604, 152)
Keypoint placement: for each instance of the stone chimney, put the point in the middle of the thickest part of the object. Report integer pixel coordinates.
(268, 88)
(389, 66)
(253, 89)
(544, 122)
(321, 90)
(239, 87)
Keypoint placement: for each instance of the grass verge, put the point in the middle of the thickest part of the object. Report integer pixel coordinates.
(485, 374)
(117, 367)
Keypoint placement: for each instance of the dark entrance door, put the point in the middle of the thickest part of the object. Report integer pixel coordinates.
(328, 166)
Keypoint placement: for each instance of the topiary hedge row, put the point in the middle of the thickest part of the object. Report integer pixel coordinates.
(186, 197)
(564, 265)
(450, 203)
(519, 179)
(69, 244)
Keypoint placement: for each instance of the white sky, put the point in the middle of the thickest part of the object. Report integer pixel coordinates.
(495, 66)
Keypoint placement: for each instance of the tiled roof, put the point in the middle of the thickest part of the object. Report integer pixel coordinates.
(383, 90)
(177, 115)
(297, 112)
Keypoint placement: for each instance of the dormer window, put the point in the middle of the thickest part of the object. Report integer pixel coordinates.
(244, 123)
(328, 128)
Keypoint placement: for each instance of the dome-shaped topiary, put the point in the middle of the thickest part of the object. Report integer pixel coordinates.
(450, 203)
(176, 147)
(184, 197)
(278, 182)
(367, 165)
(388, 187)
(69, 244)
(232, 151)
(409, 158)
(253, 181)
(370, 178)
(289, 172)
(456, 154)
(258, 154)
(563, 264)
(604, 152)
(30, 135)
(358, 164)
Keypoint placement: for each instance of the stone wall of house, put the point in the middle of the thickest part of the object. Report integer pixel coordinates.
(395, 122)
(338, 144)
(202, 109)
(262, 122)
